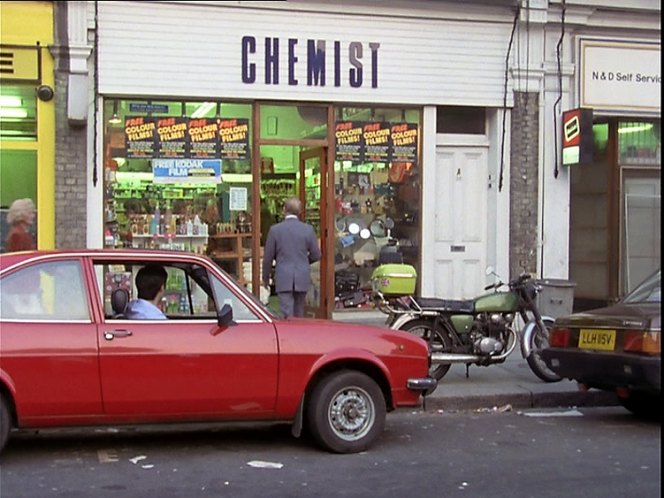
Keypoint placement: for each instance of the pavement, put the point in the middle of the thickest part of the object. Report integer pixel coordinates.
(502, 387)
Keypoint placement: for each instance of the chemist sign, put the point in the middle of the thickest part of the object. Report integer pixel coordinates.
(617, 76)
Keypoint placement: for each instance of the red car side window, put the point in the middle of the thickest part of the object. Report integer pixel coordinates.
(47, 291)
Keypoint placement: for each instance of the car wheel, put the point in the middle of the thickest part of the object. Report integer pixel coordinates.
(5, 422)
(346, 412)
(642, 405)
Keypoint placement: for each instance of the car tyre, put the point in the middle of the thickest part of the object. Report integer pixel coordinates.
(642, 405)
(5, 422)
(346, 412)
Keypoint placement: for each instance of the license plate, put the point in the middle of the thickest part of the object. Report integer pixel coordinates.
(603, 340)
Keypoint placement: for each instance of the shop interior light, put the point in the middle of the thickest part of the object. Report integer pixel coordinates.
(6, 101)
(13, 112)
(636, 128)
(203, 109)
(115, 119)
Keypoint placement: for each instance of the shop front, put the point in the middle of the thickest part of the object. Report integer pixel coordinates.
(211, 177)
(204, 133)
(615, 220)
(27, 116)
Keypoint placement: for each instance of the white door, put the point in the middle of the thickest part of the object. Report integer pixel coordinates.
(460, 224)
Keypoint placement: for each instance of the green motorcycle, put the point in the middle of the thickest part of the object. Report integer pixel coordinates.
(479, 331)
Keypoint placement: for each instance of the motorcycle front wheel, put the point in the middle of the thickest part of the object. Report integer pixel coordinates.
(538, 341)
(438, 340)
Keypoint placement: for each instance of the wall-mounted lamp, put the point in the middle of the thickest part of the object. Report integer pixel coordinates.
(45, 93)
(115, 119)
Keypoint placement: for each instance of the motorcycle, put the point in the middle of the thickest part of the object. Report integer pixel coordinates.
(482, 331)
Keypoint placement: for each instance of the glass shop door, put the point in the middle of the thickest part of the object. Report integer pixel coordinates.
(313, 174)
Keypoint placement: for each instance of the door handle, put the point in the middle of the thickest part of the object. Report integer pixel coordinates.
(109, 335)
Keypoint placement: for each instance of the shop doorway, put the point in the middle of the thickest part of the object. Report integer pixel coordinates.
(297, 171)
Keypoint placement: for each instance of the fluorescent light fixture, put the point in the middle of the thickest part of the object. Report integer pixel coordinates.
(236, 177)
(636, 129)
(12, 112)
(203, 109)
(10, 101)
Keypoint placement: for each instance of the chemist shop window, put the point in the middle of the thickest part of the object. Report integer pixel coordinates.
(377, 196)
(177, 175)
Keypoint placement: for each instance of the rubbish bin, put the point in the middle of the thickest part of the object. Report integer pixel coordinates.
(556, 297)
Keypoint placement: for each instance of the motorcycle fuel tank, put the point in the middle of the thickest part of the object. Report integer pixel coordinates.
(497, 302)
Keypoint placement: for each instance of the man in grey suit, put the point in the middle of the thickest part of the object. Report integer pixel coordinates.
(294, 246)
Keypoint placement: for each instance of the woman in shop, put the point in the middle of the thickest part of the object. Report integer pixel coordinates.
(21, 216)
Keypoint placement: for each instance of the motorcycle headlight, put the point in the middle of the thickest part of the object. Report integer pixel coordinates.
(532, 290)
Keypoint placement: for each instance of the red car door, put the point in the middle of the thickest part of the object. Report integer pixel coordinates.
(179, 369)
(49, 343)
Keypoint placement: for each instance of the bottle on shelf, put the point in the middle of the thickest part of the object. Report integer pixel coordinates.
(153, 225)
(197, 226)
(155, 221)
(169, 222)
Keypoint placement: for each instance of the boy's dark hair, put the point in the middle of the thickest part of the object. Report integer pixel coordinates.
(149, 280)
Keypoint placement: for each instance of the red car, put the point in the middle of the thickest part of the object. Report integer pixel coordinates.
(69, 356)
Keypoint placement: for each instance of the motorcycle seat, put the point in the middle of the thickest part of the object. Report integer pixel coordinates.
(454, 305)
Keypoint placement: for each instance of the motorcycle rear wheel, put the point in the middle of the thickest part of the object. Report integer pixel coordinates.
(539, 341)
(438, 340)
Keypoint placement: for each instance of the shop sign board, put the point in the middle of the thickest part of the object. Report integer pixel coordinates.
(577, 136)
(19, 63)
(144, 108)
(620, 76)
(194, 171)
(346, 68)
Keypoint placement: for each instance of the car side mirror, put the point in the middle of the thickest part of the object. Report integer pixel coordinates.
(225, 316)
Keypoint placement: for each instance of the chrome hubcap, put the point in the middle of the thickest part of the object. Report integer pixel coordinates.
(351, 413)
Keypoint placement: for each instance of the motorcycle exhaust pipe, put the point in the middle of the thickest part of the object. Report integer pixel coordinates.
(447, 358)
